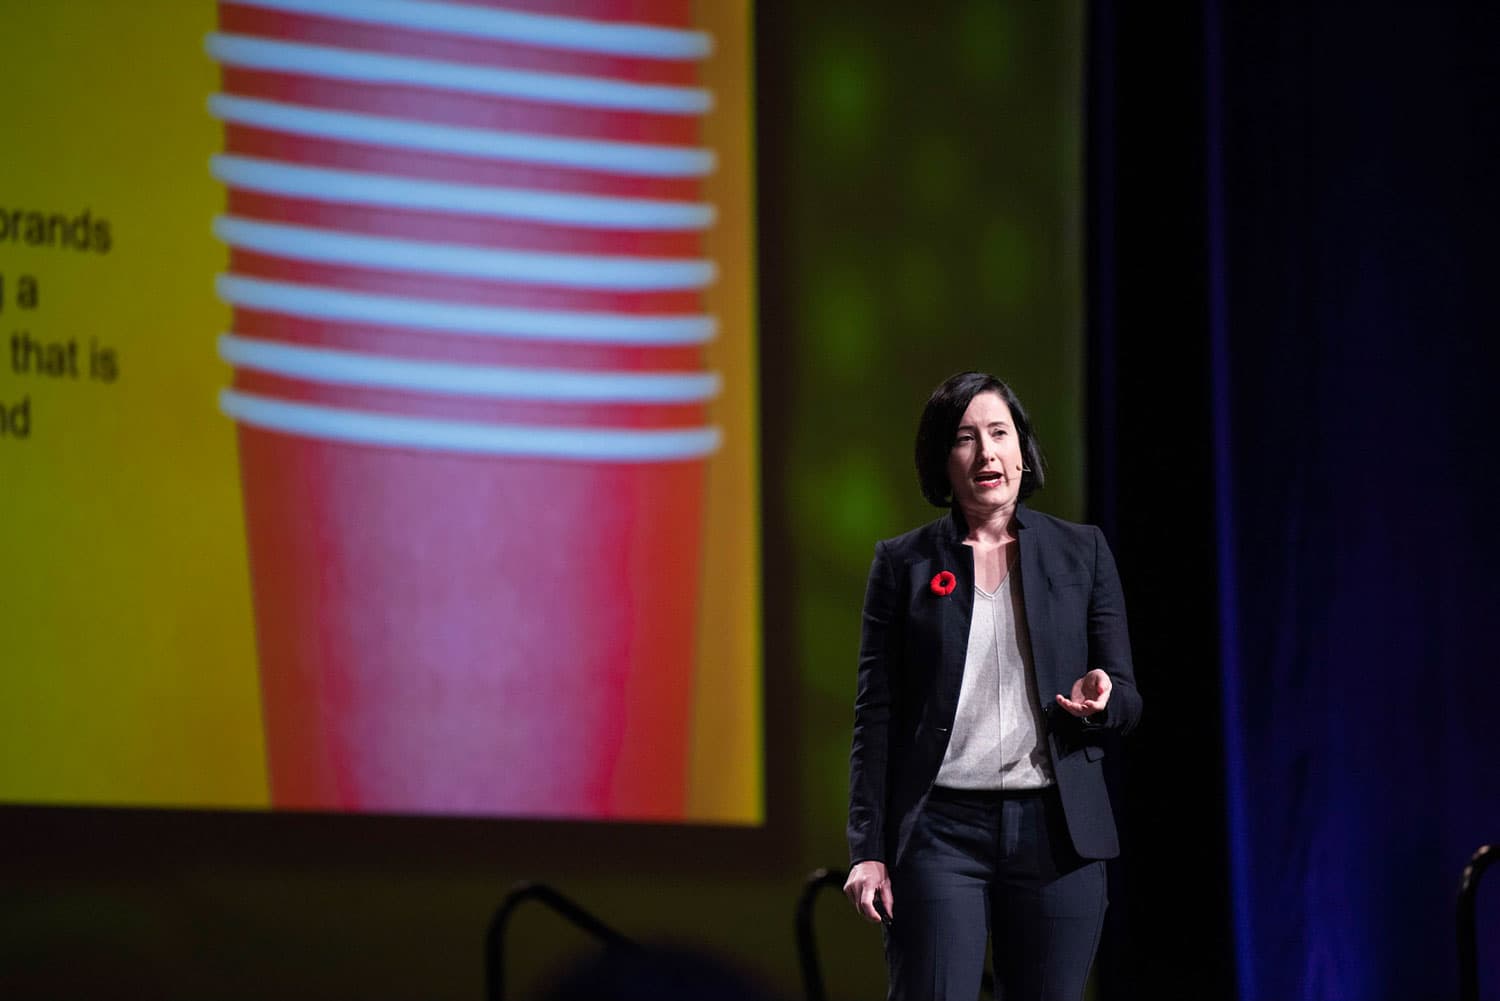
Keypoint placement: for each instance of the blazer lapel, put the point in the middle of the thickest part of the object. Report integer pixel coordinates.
(956, 611)
(1036, 594)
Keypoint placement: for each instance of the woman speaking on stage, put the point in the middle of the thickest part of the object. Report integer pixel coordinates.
(993, 663)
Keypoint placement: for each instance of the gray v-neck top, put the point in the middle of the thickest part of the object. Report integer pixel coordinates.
(997, 741)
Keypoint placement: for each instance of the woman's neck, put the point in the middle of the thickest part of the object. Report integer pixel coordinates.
(989, 527)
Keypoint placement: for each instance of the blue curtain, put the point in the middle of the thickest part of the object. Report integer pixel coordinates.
(1351, 223)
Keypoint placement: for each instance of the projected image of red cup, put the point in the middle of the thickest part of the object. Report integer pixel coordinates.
(466, 273)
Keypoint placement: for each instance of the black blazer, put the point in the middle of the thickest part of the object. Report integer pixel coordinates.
(911, 663)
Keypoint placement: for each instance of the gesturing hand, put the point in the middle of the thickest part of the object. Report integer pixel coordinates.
(1090, 694)
(866, 880)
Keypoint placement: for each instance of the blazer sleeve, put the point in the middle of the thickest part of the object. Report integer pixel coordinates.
(1109, 644)
(879, 649)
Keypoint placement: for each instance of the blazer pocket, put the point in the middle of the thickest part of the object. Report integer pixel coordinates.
(1076, 578)
(1093, 752)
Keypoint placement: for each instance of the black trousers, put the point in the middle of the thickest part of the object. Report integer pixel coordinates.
(986, 867)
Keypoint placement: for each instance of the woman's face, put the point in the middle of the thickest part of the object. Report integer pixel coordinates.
(984, 466)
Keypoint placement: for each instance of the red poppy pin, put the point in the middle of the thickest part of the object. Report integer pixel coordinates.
(943, 584)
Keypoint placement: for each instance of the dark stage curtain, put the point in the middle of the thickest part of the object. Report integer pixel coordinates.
(1294, 340)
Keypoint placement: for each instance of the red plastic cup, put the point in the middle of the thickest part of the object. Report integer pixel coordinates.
(451, 617)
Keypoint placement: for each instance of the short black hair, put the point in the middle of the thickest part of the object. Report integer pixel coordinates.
(939, 426)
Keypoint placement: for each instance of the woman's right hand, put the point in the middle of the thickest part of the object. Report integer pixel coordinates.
(866, 880)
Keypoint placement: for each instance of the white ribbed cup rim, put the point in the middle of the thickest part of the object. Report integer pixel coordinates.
(598, 155)
(327, 62)
(353, 368)
(350, 187)
(319, 302)
(609, 272)
(542, 30)
(357, 427)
